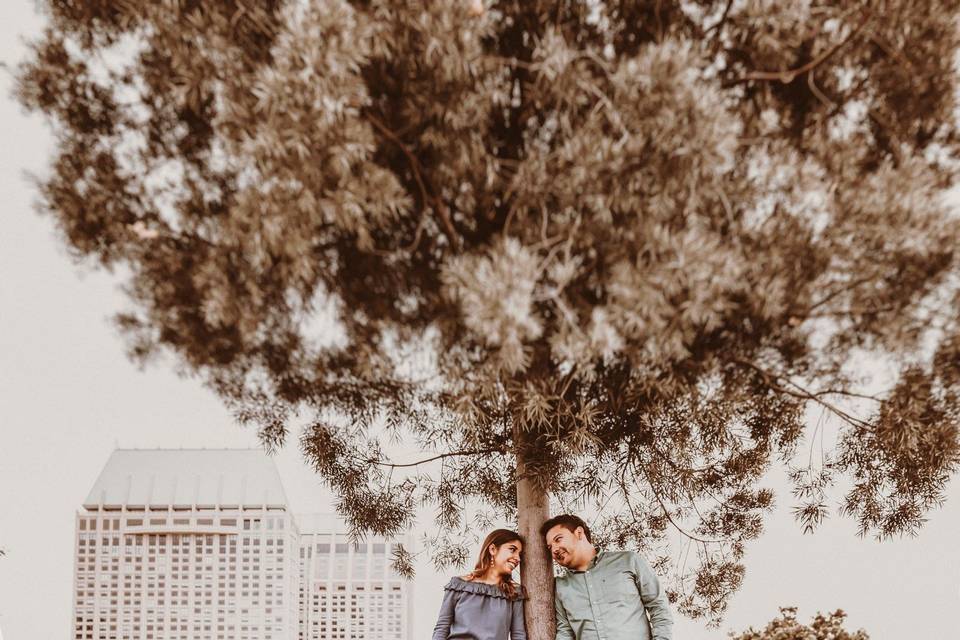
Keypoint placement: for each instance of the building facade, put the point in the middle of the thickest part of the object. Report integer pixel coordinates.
(350, 591)
(201, 545)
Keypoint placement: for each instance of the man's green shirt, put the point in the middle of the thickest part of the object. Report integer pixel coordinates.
(612, 600)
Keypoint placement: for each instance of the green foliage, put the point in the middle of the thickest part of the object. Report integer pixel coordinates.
(786, 627)
(627, 244)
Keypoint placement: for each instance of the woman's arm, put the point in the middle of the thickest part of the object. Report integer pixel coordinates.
(518, 630)
(442, 629)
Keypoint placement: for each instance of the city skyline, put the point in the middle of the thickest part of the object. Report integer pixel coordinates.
(201, 543)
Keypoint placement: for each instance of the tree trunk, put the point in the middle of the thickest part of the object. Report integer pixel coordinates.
(536, 570)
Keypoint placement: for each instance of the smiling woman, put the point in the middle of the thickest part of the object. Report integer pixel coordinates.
(486, 604)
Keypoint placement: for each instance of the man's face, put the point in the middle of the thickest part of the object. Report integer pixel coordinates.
(564, 545)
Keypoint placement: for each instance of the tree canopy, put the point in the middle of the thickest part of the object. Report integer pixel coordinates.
(787, 627)
(608, 252)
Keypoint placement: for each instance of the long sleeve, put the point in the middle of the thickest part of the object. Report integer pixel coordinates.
(518, 630)
(564, 631)
(441, 631)
(654, 600)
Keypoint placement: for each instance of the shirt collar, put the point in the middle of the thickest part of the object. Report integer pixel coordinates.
(593, 563)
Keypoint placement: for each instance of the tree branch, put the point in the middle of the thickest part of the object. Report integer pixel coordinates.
(723, 19)
(833, 294)
(449, 454)
(855, 311)
(676, 467)
(787, 76)
(851, 394)
(666, 512)
(425, 196)
(770, 379)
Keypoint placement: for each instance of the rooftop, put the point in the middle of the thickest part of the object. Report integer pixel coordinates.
(185, 477)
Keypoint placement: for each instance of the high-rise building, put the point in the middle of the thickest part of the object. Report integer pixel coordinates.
(350, 590)
(200, 544)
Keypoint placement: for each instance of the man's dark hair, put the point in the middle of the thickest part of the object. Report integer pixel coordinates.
(568, 521)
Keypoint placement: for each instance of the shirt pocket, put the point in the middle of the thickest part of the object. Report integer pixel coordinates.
(619, 588)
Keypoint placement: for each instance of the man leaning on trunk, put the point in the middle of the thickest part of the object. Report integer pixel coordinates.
(605, 595)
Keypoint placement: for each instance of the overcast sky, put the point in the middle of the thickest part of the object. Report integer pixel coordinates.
(69, 396)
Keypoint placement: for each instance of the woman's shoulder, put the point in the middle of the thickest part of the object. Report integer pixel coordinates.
(455, 580)
(462, 584)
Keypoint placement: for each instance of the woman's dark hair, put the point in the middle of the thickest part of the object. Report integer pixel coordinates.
(497, 537)
(567, 521)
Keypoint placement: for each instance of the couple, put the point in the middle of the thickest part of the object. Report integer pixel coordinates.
(605, 595)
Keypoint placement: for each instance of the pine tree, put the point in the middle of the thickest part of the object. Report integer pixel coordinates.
(605, 253)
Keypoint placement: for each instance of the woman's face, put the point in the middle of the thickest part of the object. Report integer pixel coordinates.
(506, 557)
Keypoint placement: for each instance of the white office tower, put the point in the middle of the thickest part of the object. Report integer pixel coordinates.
(350, 591)
(200, 544)
(186, 545)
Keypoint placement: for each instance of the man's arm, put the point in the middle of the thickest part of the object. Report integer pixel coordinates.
(564, 631)
(654, 599)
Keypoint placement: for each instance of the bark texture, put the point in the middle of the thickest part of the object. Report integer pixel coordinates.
(536, 570)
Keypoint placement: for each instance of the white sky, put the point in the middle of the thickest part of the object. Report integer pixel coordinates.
(69, 396)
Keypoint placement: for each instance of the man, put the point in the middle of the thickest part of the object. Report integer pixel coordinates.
(605, 595)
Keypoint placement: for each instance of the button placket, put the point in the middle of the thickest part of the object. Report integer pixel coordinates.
(596, 619)
(594, 603)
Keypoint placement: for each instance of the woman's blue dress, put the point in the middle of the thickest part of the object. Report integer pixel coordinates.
(479, 611)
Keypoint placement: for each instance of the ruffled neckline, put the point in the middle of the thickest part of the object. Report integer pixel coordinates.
(481, 588)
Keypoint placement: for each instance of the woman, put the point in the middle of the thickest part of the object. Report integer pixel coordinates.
(486, 604)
